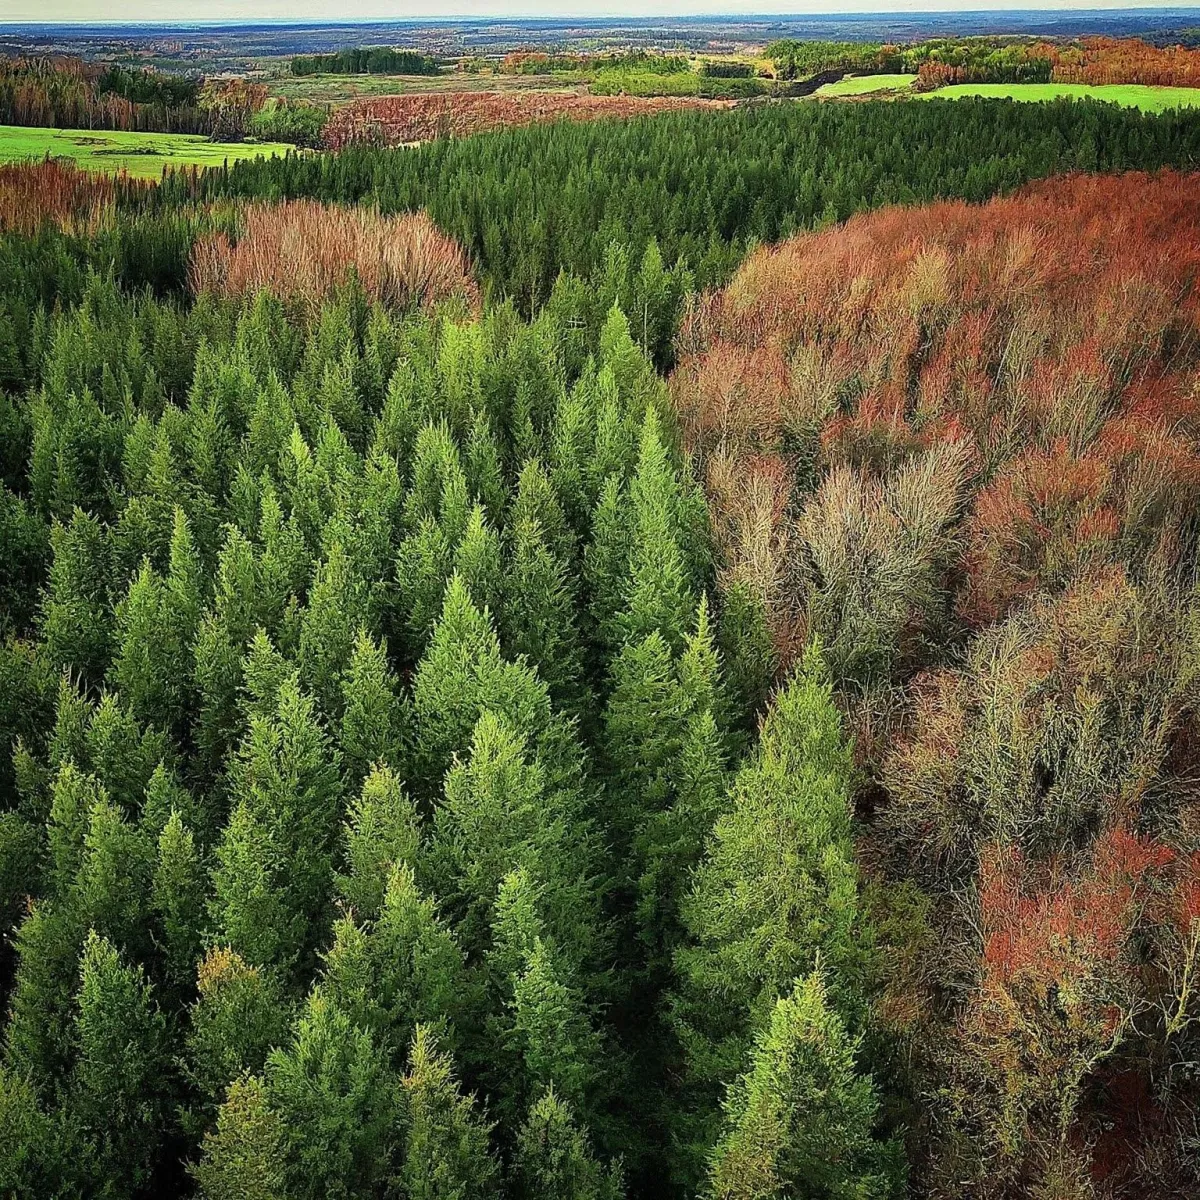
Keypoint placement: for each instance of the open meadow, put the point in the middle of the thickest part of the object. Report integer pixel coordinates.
(1129, 95)
(141, 155)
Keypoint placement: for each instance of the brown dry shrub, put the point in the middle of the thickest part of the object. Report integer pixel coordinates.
(302, 250)
(34, 192)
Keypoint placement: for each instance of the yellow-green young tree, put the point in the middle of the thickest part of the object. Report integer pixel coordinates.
(800, 1121)
(776, 894)
(243, 1155)
(239, 1015)
(446, 1156)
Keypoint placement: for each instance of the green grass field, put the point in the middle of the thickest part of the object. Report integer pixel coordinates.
(864, 85)
(141, 154)
(1148, 99)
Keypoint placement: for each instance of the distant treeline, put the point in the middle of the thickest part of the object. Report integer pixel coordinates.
(67, 93)
(366, 60)
(941, 61)
(538, 62)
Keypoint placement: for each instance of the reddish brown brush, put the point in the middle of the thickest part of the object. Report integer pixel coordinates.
(1055, 331)
(982, 427)
(1101, 60)
(302, 250)
(32, 193)
(1095, 61)
(422, 117)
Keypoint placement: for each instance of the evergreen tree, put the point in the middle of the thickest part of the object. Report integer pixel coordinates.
(554, 1158)
(28, 1137)
(274, 874)
(461, 675)
(38, 1036)
(178, 895)
(118, 1090)
(238, 1017)
(243, 1156)
(401, 969)
(374, 717)
(447, 1155)
(500, 812)
(337, 1100)
(336, 608)
(799, 1121)
(382, 833)
(76, 628)
(777, 890)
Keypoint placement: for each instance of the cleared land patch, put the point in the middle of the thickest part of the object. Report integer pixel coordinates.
(864, 85)
(1130, 95)
(142, 155)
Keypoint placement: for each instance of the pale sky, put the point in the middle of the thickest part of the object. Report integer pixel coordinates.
(390, 10)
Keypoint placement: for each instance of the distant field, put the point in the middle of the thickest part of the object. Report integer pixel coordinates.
(340, 89)
(1148, 99)
(864, 85)
(141, 154)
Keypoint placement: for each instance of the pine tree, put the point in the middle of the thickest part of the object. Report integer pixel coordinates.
(117, 1092)
(178, 894)
(554, 1159)
(500, 813)
(558, 1046)
(381, 833)
(243, 1156)
(274, 874)
(660, 590)
(399, 970)
(537, 616)
(76, 628)
(799, 1121)
(374, 716)
(778, 887)
(38, 1037)
(335, 611)
(337, 1099)
(238, 1017)
(122, 754)
(460, 676)
(28, 1150)
(447, 1155)
(112, 889)
(477, 562)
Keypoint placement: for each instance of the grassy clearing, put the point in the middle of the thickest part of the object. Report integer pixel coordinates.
(1148, 99)
(864, 85)
(143, 155)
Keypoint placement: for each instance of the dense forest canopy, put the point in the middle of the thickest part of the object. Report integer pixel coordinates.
(599, 660)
